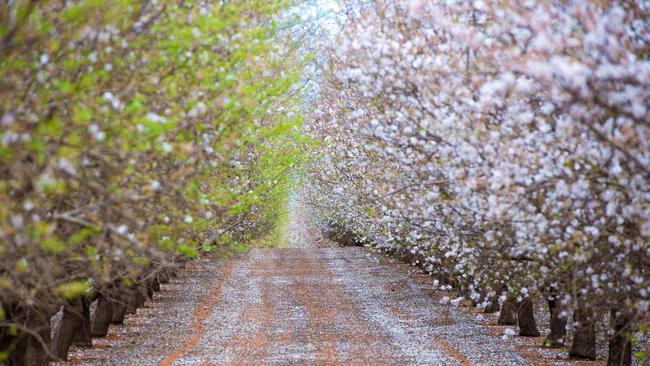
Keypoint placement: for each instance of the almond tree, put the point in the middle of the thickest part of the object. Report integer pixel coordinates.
(504, 145)
(133, 134)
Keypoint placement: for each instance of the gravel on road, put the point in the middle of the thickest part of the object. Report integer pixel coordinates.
(314, 306)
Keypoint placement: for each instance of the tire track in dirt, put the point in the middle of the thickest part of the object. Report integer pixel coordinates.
(327, 304)
(254, 343)
(200, 315)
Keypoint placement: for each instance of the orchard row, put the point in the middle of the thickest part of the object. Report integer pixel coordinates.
(503, 146)
(133, 135)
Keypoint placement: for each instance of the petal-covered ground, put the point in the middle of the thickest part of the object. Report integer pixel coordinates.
(318, 306)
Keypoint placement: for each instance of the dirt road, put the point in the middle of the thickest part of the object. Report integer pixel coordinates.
(316, 306)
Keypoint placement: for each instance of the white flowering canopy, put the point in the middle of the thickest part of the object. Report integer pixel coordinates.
(503, 144)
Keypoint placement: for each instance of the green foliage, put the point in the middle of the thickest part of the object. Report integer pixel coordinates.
(73, 289)
(240, 247)
(135, 133)
(188, 250)
(53, 245)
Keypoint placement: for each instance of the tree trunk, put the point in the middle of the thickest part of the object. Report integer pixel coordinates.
(37, 352)
(132, 300)
(140, 293)
(620, 345)
(557, 337)
(24, 348)
(584, 339)
(15, 341)
(507, 316)
(526, 317)
(18, 350)
(493, 306)
(163, 276)
(119, 310)
(65, 329)
(102, 317)
(155, 285)
(81, 336)
(147, 288)
(27, 350)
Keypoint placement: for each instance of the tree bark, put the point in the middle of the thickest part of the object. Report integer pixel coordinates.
(37, 352)
(584, 339)
(155, 285)
(25, 348)
(526, 317)
(102, 317)
(14, 343)
(119, 310)
(81, 336)
(493, 306)
(163, 276)
(557, 337)
(18, 350)
(620, 345)
(65, 330)
(132, 300)
(140, 292)
(507, 316)
(147, 288)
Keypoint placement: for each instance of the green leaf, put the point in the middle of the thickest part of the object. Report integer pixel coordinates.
(83, 234)
(72, 290)
(187, 250)
(53, 245)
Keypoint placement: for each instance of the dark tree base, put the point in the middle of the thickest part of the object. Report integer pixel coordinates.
(507, 316)
(155, 285)
(493, 306)
(164, 276)
(102, 317)
(526, 317)
(119, 311)
(36, 353)
(147, 288)
(140, 293)
(18, 350)
(557, 336)
(65, 330)
(132, 303)
(82, 336)
(23, 348)
(620, 345)
(584, 339)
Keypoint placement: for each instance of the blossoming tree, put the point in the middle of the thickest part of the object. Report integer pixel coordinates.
(133, 134)
(504, 147)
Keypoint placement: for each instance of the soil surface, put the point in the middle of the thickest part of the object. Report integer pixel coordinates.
(315, 306)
